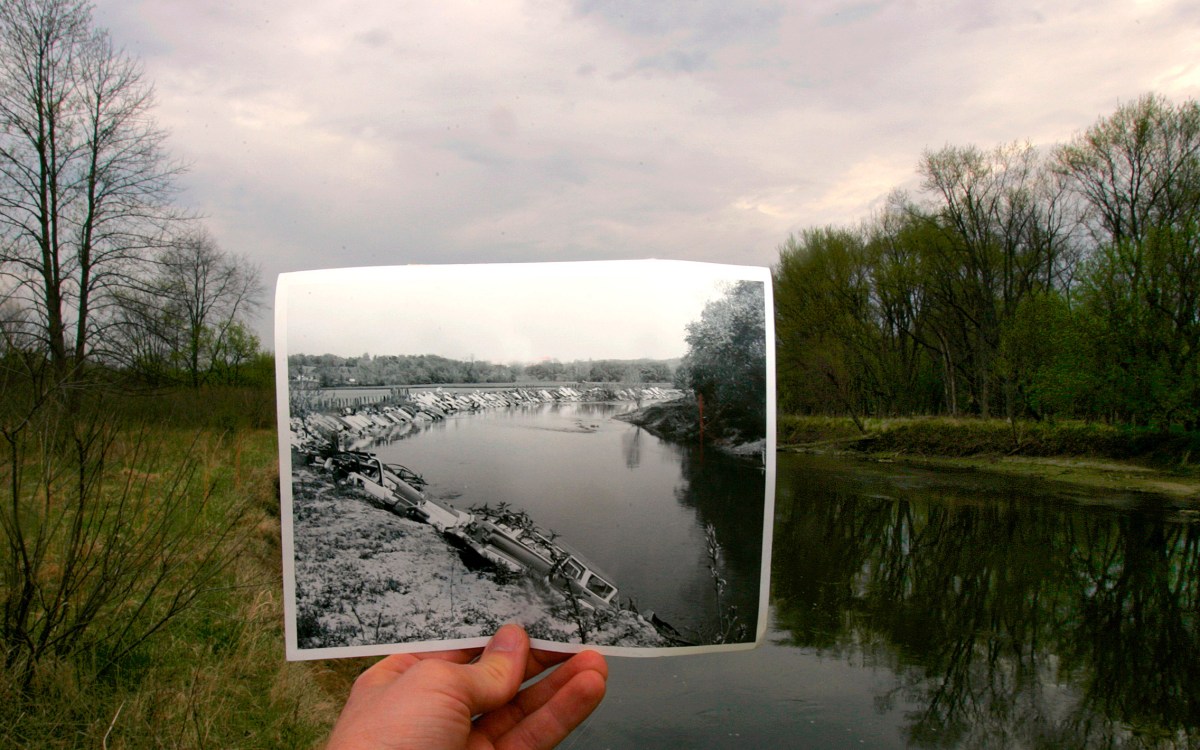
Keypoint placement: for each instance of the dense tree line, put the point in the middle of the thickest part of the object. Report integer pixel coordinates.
(419, 369)
(1019, 282)
(98, 267)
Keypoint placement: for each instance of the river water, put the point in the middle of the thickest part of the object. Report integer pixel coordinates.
(916, 608)
(910, 608)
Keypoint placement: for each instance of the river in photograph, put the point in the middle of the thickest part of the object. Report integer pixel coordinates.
(634, 505)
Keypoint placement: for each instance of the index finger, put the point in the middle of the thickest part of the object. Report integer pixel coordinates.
(401, 663)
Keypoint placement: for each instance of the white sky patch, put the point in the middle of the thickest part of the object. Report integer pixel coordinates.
(865, 184)
(502, 313)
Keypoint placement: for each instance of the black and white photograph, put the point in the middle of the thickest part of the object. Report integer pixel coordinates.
(585, 449)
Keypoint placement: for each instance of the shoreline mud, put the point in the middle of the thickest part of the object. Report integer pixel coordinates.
(1078, 454)
(366, 576)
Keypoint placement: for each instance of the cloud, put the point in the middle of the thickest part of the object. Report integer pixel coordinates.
(366, 132)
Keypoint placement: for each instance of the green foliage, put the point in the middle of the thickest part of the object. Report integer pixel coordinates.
(1052, 352)
(984, 297)
(794, 429)
(726, 360)
(1145, 298)
(962, 437)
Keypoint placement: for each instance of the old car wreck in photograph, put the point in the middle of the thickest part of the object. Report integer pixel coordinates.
(499, 537)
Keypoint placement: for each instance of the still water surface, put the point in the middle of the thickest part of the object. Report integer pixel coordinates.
(910, 608)
(940, 609)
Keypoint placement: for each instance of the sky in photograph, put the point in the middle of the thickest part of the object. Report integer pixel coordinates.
(369, 132)
(504, 313)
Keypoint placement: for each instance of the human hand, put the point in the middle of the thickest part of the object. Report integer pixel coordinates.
(427, 701)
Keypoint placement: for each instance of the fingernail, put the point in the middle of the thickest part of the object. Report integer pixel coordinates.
(507, 638)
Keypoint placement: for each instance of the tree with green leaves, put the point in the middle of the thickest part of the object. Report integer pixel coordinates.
(1137, 174)
(1004, 233)
(1061, 282)
(827, 346)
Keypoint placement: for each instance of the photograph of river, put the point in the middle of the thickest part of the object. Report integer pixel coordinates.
(524, 445)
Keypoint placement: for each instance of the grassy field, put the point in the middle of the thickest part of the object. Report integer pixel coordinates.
(159, 511)
(212, 673)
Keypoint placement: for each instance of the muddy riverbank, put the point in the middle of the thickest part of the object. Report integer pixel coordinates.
(366, 576)
(1088, 455)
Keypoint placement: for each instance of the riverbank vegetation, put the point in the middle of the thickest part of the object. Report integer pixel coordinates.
(1088, 454)
(950, 437)
(1032, 284)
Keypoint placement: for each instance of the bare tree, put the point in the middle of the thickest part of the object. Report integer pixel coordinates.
(188, 319)
(212, 291)
(1137, 169)
(84, 182)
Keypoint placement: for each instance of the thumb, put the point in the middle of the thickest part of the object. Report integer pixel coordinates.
(496, 677)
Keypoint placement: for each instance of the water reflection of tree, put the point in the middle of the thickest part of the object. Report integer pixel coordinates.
(729, 495)
(1008, 620)
(631, 446)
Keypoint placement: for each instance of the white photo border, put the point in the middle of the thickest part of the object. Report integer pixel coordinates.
(442, 274)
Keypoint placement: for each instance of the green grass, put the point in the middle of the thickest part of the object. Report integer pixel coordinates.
(215, 675)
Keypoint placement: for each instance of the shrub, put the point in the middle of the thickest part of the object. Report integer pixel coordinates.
(105, 538)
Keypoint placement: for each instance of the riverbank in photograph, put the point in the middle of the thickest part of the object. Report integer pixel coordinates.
(679, 420)
(365, 575)
(633, 504)
(1086, 455)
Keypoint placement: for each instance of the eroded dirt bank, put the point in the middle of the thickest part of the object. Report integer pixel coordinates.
(367, 576)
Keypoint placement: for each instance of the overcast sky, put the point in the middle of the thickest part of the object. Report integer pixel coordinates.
(325, 134)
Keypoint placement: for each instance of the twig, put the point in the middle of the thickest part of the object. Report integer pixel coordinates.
(111, 724)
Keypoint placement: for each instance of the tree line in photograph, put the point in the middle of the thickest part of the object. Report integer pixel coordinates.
(726, 363)
(1019, 282)
(331, 370)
